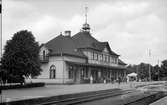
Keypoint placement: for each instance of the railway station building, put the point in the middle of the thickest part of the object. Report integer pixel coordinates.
(79, 58)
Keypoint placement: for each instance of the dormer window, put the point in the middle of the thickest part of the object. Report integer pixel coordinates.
(44, 53)
(44, 57)
(105, 50)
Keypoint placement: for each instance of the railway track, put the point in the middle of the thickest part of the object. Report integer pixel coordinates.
(132, 97)
(147, 99)
(87, 97)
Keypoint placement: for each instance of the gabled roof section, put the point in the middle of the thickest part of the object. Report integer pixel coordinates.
(85, 40)
(102, 45)
(63, 45)
(120, 62)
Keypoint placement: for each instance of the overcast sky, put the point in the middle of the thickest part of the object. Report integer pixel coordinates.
(132, 27)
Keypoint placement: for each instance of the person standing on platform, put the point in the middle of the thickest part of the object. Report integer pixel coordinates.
(91, 80)
(119, 80)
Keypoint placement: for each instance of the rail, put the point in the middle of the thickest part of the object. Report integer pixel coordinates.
(86, 98)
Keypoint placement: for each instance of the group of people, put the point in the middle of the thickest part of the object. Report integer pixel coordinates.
(112, 80)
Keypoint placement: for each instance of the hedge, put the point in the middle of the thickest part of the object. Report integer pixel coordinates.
(18, 86)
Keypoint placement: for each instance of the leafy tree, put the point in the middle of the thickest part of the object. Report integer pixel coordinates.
(20, 58)
(156, 72)
(142, 70)
(163, 71)
(131, 69)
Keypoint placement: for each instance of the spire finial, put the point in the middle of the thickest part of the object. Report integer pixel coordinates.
(86, 11)
(85, 26)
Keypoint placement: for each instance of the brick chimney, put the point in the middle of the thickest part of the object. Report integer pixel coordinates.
(67, 33)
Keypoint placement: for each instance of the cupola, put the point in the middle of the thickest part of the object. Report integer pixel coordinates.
(86, 26)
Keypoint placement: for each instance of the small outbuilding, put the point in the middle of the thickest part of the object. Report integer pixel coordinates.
(131, 77)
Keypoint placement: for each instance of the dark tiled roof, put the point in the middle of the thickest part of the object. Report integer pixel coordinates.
(63, 45)
(120, 62)
(85, 40)
(72, 45)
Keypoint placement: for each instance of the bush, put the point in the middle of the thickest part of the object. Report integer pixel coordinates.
(15, 79)
(18, 86)
(163, 78)
(86, 80)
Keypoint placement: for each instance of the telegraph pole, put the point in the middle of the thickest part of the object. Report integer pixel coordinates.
(158, 69)
(0, 47)
(149, 65)
(61, 54)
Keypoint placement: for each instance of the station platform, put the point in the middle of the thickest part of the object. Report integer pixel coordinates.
(54, 90)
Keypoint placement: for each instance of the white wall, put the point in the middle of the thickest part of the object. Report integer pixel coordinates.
(61, 67)
(58, 62)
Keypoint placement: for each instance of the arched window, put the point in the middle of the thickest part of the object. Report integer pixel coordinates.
(52, 72)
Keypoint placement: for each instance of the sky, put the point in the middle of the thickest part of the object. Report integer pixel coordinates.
(131, 27)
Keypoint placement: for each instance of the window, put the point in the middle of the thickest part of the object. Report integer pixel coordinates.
(70, 72)
(100, 57)
(107, 58)
(95, 56)
(89, 55)
(111, 59)
(52, 72)
(103, 57)
(92, 55)
(116, 60)
(84, 72)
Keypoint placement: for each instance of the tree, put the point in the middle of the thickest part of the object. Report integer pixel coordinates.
(163, 71)
(20, 58)
(131, 69)
(156, 72)
(142, 70)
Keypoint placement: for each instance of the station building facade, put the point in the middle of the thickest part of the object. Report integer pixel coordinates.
(77, 58)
